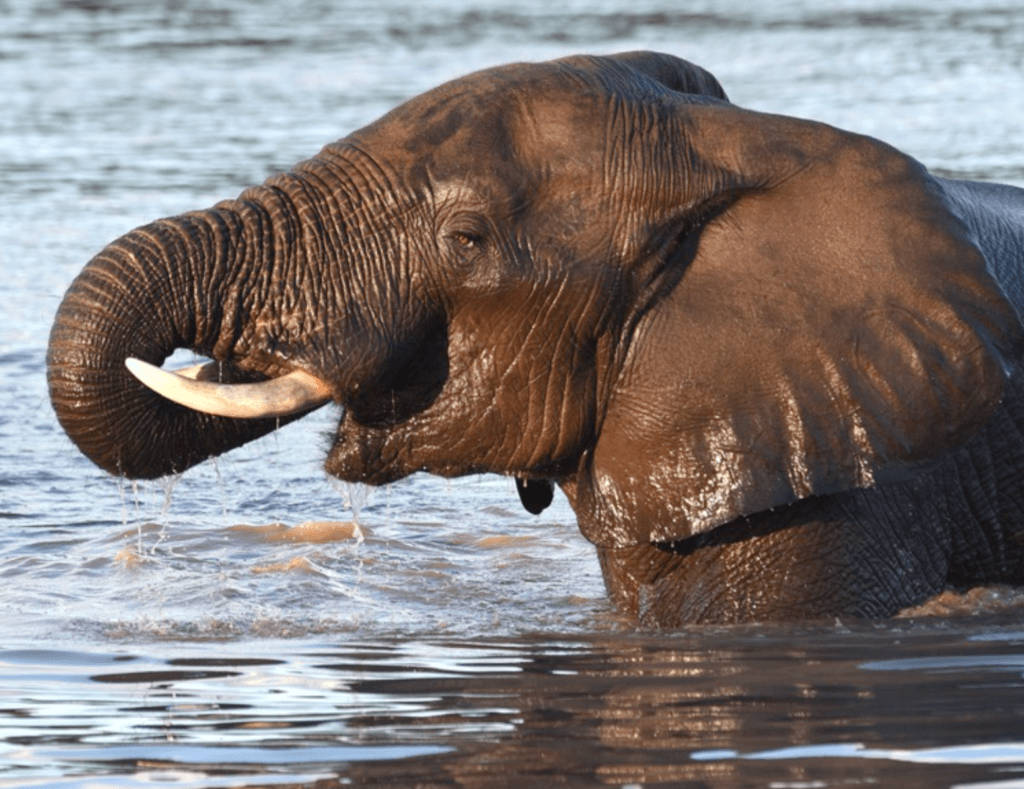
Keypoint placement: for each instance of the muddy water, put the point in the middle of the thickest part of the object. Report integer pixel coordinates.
(252, 623)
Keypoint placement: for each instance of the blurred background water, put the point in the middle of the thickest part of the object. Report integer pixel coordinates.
(448, 638)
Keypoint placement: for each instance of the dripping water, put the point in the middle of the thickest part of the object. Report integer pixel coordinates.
(354, 496)
(221, 487)
(123, 484)
(168, 484)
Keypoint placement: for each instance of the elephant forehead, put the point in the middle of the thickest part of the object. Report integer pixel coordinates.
(490, 113)
(456, 120)
(451, 140)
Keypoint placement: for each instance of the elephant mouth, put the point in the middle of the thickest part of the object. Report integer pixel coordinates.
(198, 388)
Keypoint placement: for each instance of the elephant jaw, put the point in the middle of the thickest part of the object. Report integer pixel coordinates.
(294, 393)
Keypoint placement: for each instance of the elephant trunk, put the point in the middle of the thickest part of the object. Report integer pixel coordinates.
(145, 295)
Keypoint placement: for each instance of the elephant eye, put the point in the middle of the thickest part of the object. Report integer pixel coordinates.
(467, 241)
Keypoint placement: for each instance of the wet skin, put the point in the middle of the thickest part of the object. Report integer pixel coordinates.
(773, 365)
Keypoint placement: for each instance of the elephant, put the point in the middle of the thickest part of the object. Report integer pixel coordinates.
(774, 366)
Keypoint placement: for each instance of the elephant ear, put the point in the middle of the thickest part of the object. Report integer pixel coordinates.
(825, 323)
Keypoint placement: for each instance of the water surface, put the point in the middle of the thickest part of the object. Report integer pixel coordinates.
(174, 633)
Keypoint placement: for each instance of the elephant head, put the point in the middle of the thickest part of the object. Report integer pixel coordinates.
(415, 270)
(595, 272)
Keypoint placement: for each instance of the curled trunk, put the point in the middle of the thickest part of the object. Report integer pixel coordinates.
(144, 296)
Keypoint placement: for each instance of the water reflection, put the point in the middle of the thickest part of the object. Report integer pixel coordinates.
(719, 708)
(640, 711)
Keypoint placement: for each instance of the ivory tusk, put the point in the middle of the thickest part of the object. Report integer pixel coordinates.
(207, 371)
(297, 391)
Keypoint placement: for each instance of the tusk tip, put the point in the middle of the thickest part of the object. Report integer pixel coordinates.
(144, 371)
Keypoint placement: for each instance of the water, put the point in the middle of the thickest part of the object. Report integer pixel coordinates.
(233, 627)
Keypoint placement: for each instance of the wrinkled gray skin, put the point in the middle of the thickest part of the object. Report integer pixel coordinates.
(773, 365)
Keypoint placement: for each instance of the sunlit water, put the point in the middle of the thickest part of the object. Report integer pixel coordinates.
(252, 623)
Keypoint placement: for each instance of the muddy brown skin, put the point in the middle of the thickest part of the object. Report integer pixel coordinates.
(772, 364)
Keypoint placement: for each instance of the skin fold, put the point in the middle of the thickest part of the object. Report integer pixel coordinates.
(773, 365)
